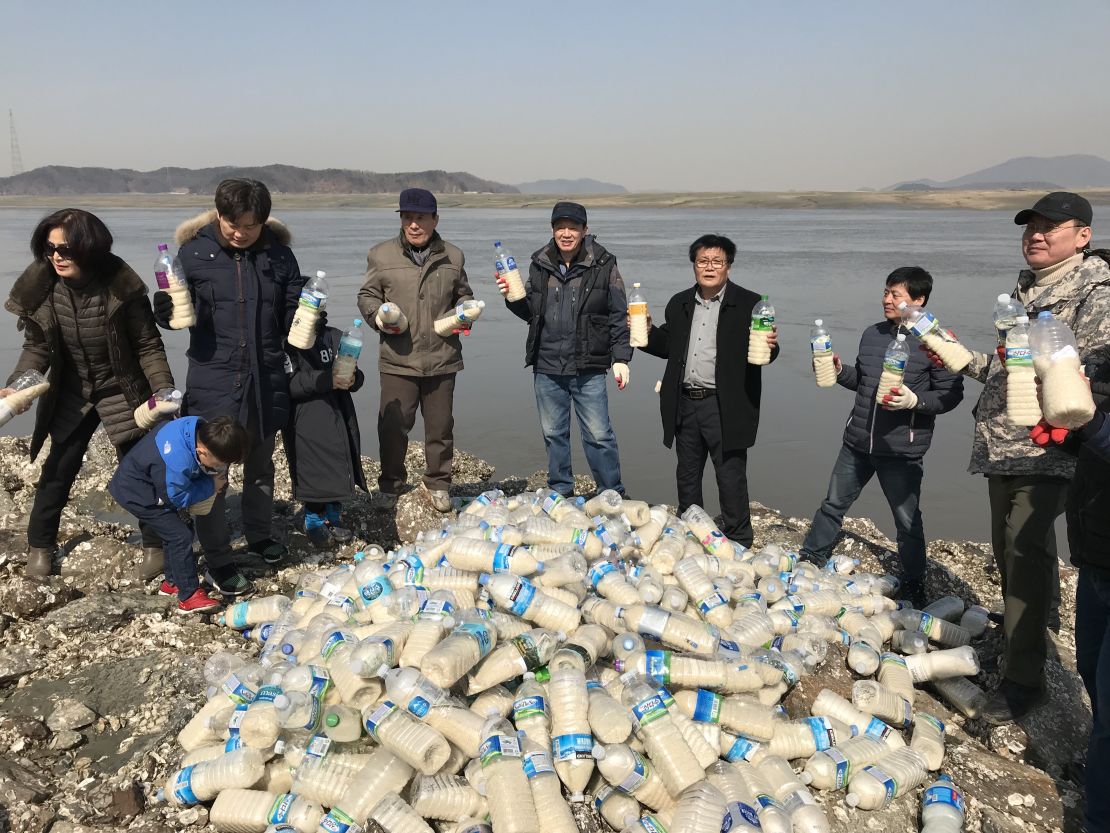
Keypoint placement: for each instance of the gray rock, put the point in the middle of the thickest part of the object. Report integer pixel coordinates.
(66, 739)
(128, 802)
(70, 714)
(24, 598)
(105, 611)
(20, 784)
(98, 564)
(16, 663)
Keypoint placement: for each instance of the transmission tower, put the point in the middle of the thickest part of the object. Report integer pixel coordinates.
(17, 158)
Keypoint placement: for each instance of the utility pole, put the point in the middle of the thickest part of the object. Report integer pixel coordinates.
(17, 158)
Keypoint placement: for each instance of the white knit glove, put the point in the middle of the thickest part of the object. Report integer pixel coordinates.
(622, 374)
(904, 400)
(388, 329)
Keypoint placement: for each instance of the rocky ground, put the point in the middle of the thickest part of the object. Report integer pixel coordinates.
(97, 674)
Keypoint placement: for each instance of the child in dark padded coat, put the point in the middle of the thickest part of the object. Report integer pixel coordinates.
(322, 441)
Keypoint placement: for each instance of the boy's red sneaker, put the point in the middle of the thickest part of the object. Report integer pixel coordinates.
(199, 602)
(167, 589)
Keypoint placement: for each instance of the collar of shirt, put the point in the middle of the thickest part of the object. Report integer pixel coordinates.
(705, 302)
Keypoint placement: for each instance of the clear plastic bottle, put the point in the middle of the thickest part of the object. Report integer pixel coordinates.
(802, 738)
(950, 662)
(432, 623)
(909, 642)
(832, 769)
(941, 631)
(507, 269)
(394, 815)
(416, 743)
(582, 650)
(571, 739)
(392, 315)
(894, 774)
(772, 815)
(894, 367)
(942, 807)
(672, 629)
(894, 674)
(250, 811)
(542, 529)
(552, 810)
(238, 769)
(666, 747)
(806, 815)
(753, 720)
(824, 368)
(472, 638)
(710, 604)
(742, 814)
(465, 314)
(522, 598)
(962, 694)
(254, 611)
(207, 725)
(873, 698)
(609, 720)
(491, 557)
(1022, 405)
(763, 323)
(170, 278)
(1065, 395)
(1007, 310)
(446, 797)
(382, 773)
(162, 404)
(27, 388)
(975, 620)
(928, 739)
(946, 607)
(711, 538)
(511, 806)
(922, 324)
(630, 773)
(314, 297)
(530, 712)
(525, 652)
(637, 317)
(346, 359)
(342, 723)
(609, 582)
(701, 809)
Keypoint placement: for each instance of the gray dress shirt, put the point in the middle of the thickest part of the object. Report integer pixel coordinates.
(701, 353)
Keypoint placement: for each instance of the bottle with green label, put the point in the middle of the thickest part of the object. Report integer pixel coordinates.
(763, 324)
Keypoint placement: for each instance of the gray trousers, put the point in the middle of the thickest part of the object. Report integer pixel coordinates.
(400, 398)
(1024, 509)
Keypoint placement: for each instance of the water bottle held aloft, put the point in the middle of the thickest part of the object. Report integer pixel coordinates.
(507, 270)
(894, 367)
(465, 314)
(922, 324)
(346, 360)
(1006, 312)
(824, 365)
(1065, 394)
(314, 297)
(638, 317)
(763, 324)
(1022, 406)
(170, 278)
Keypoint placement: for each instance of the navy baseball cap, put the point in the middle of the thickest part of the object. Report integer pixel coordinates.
(1058, 206)
(568, 211)
(418, 201)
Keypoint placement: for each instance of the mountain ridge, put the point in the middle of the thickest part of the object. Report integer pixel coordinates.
(1070, 172)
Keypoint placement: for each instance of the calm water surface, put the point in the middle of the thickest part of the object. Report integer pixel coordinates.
(827, 264)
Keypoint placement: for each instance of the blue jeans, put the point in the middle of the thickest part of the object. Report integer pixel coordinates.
(554, 396)
(1092, 657)
(177, 547)
(900, 479)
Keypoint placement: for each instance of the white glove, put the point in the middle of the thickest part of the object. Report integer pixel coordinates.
(904, 400)
(622, 374)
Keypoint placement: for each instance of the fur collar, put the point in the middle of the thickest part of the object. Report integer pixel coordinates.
(191, 228)
(31, 288)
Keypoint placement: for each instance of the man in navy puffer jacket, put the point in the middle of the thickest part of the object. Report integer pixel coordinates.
(888, 439)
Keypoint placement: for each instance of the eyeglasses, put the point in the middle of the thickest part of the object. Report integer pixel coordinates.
(702, 263)
(63, 251)
(1045, 230)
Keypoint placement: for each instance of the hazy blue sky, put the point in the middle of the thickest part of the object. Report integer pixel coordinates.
(653, 95)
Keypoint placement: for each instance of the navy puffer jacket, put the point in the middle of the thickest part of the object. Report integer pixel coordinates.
(875, 430)
(245, 300)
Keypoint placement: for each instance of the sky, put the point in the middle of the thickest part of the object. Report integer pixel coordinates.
(687, 96)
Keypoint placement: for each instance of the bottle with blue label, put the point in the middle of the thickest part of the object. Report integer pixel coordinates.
(547, 789)
(824, 366)
(432, 623)
(942, 807)
(923, 325)
(314, 297)
(346, 360)
(414, 742)
(507, 271)
(1022, 405)
(255, 809)
(471, 640)
(894, 774)
(530, 712)
(793, 795)
(524, 652)
(667, 750)
(628, 771)
(833, 768)
(238, 769)
(894, 367)
(511, 806)
(571, 739)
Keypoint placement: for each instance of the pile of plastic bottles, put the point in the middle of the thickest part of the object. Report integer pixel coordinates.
(535, 652)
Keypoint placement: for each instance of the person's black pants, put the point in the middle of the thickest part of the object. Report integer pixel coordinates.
(59, 470)
(698, 435)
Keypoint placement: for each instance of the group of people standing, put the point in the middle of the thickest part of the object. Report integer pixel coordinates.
(87, 320)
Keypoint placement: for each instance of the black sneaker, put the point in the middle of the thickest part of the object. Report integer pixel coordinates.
(228, 581)
(1012, 701)
(268, 550)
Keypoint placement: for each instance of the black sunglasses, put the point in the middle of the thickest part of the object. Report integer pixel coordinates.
(63, 251)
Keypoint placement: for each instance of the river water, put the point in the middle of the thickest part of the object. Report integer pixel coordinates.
(829, 264)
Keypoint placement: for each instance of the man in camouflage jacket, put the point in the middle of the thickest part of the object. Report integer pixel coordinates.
(1028, 485)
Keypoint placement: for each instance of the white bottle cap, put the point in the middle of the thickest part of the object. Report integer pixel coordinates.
(635, 286)
(1003, 298)
(818, 323)
(901, 336)
(598, 752)
(321, 274)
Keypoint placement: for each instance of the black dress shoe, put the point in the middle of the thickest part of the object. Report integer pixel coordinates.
(1012, 701)
(913, 591)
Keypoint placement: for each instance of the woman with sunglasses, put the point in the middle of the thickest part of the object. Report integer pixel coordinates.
(87, 323)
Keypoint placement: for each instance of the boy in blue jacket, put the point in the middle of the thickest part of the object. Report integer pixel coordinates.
(180, 466)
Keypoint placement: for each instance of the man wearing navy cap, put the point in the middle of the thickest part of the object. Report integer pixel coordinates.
(424, 276)
(1028, 483)
(575, 308)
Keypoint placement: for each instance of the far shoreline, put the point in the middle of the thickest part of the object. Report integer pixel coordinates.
(996, 200)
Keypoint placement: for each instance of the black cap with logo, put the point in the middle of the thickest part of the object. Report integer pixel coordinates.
(1059, 206)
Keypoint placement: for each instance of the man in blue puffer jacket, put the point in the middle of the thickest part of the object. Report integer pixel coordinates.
(888, 440)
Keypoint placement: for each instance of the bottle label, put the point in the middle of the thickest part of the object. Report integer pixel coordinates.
(889, 784)
(498, 746)
(776, 643)
(824, 735)
(264, 631)
(712, 542)
(600, 571)
(933, 721)
(480, 634)
(769, 801)
(183, 786)
(578, 537)
(895, 364)
(387, 646)
(602, 794)
(418, 706)
(738, 812)
(658, 666)
(572, 747)
(521, 597)
(711, 602)
(820, 345)
(527, 707)
(652, 825)
(552, 500)
(727, 646)
(502, 559)
(237, 691)
(653, 622)
(648, 710)
(878, 729)
(707, 707)
(843, 767)
(234, 741)
(344, 603)
(321, 679)
(279, 810)
(237, 615)
(638, 308)
(375, 718)
(924, 325)
(943, 795)
(237, 717)
(636, 778)
(162, 280)
(335, 638)
(318, 746)
(1019, 357)
(742, 749)
(436, 608)
(310, 299)
(537, 763)
(375, 589)
(510, 262)
(788, 675)
(529, 650)
(927, 624)
(336, 821)
(763, 323)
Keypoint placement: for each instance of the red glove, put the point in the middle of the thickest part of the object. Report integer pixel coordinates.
(933, 357)
(1001, 351)
(1042, 434)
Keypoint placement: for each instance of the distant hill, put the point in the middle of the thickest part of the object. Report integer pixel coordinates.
(1033, 172)
(57, 180)
(570, 186)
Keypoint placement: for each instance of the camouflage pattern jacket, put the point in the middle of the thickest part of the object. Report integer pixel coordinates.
(1081, 299)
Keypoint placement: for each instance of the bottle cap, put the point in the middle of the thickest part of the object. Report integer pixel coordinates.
(497, 244)
(818, 322)
(321, 274)
(1003, 298)
(332, 720)
(281, 701)
(358, 322)
(901, 336)
(598, 752)
(635, 286)
(1044, 314)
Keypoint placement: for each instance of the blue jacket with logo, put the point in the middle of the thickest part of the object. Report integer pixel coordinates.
(162, 473)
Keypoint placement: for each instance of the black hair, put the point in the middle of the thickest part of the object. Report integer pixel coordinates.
(713, 241)
(225, 438)
(236, 197)
(86, 235)
(918, 282)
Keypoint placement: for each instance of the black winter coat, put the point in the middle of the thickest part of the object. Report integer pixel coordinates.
(1088, 506)
(322, 441)
(874, 430)
(245, 300)
(602, 332)
(739, 384)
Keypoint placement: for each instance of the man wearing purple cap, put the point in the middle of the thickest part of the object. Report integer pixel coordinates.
(1028, 484)
(423, 276)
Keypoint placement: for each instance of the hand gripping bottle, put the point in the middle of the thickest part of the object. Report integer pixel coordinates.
(701, 809)
(162, 404)
(394, 815)
(507, 269)
(630, 773)
(894, 774)
(894, 367)
(1022, 406)
(472, 638)
(432, 622)
(446, 797)
(1065, 395)
(314, 297)
(511, 806)
(27, 388)
(637, 317)
(942, 807)
(571, 739)
(928, 739)
(668, 750)
(465, 314)
(928, 331)
(1007, 311)
(522, 598)
(526, 652)
(238, 769)
(243, 615)
(938, 665)
(250, 811)
(832, 768)
(806, 815)
(873, 698)
(392, 315)
(346, 359)
(824, 368)
(530, 713)
(415, 743)
(170, 278)
(763, 323)
(383, 772)
(552, 810)
(710, 604)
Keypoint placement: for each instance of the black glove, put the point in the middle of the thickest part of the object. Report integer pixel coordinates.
(163, 308)
(322, 322)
